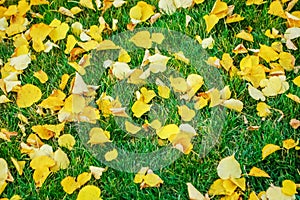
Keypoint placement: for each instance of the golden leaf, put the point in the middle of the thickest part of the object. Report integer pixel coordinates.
(41, 75)
(167, 131)
(289, 188)
(67, 141)
(254, 171)
(111, 155)
(269, 149)
(290, 143)
(28, 95)
(245, 36)
(210, 20)
(89, 192)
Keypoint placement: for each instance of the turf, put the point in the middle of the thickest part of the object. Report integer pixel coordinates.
(201, 172)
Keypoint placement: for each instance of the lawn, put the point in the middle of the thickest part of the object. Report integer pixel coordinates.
(233, 126)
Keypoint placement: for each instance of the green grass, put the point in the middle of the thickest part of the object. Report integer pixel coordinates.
(201, 172)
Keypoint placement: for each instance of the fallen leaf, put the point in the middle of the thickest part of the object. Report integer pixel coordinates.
(229, 168)
(210, 20)
(28, 95)
(258, 172)
(269, 149)
(89, 192)
(194, 194)
(290, 143)
(289, 188)
(111, 155)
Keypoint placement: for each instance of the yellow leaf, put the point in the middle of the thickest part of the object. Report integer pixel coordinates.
(269, 149)
(201, 103)
(40, 175)
(3, 170)
(3, 185)
(290, 143)
(256, 2)
(254, 171)
(139, 108)
(65, 11)
(19, 165)
(111, 155)
(263, 109)
(167, 131)
(124, 56)
(61, 159)
(296, 81)
(179, 84)
(71, 42)
(220, 9)
(226, 62)
(293, 97)
(98, 136)
(75, 10)
(147, 95)
(158, 63)
(157, 38)
(186, 113)
(69, 184)
(42, 162)
(277, 9)
(210, 20)
(289, 188)
(28, 95)
(59, 32)
(214, 98)
(89, 45)
(194, 194)
(253, 196)
(240, 182)
(251, 70)
(4, 99)
(198, 1)
(97, 171)
(194, 82)
(38, 2)
(255, 93)
(41, 75)
(245, 36)
(89, 192)
(272, 34)
(233, 104)
(234, 18)
(268, 53)
(274, 192)
(64, 81)
(67, 141)
(20, 62)
(152, 180)
(229, 168)
(142, 11)
(163, 91)
(83, 178)
(142, 39)
(87, 4)
(217, 188)
(229, 187)
(287, 61)
(131, 128)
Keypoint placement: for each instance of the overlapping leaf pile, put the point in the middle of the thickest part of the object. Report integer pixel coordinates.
(264, 71)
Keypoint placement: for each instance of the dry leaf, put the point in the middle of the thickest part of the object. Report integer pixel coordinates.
(229, 168)
(28, 95)
(258, 173)
(269, 149)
